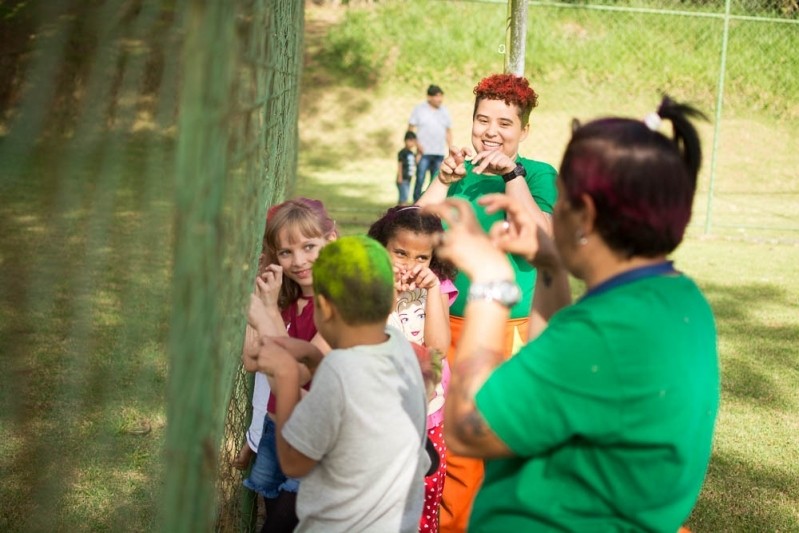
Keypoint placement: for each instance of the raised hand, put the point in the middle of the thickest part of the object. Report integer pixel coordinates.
(492, 162)
(466, 244)
(302, 351)
(453, 167)
(423, 278)
(519, 233)
(272, 358)
(267, 285)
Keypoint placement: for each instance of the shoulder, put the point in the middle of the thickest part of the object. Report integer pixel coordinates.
(448, 288)
(537, 168)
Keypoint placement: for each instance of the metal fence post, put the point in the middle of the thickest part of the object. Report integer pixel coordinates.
(516, 37)
(719, 103)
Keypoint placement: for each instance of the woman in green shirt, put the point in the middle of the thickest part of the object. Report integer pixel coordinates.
(500, 122)
(604, 421)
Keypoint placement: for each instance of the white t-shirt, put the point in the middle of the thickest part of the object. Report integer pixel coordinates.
(260, 396)
(431, 128)
(364, 421)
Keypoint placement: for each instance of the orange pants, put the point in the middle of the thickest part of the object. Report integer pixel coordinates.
(465, 474)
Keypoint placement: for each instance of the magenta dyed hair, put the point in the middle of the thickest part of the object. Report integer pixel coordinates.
(641, 182)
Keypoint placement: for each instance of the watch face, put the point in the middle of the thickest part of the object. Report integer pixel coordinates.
(517, 171)
(505, 292)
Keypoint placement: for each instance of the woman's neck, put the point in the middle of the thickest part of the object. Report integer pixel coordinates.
(612, 265)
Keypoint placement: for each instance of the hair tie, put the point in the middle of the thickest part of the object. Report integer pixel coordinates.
(653, 121)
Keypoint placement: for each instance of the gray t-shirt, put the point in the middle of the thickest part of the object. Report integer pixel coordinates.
(364, 422)
(431, 128)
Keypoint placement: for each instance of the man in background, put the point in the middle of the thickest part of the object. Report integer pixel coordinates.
(432, 124)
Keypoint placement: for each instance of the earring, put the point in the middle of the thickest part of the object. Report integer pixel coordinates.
(580, 237)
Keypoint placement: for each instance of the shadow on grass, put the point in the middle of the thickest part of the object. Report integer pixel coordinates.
(755, 355)
(84, 305)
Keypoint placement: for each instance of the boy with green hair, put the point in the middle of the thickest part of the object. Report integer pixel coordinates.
(358, 437)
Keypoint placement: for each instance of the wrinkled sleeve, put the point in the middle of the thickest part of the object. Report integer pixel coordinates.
(313, 427)
(541, 183)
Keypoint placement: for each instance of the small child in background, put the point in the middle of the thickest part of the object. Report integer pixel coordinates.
(421, 311)
(406, 167)
(358, 437)
(296, 231)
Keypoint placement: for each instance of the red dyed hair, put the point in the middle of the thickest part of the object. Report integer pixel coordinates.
(509, 88)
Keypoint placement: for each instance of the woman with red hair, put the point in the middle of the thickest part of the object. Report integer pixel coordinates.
(500, 122)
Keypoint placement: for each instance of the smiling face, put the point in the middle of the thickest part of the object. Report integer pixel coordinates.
(410, 312)
(408, 249)
(412, 321)
(497, 126)
(296, 254)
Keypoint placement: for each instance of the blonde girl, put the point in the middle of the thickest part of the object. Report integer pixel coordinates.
(296, 231)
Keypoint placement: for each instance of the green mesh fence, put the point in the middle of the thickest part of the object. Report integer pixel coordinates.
(140, 144)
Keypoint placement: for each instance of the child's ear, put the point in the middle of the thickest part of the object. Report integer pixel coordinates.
(326, 308)
(332, 236)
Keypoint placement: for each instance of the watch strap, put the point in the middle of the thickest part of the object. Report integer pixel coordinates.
(518, 171)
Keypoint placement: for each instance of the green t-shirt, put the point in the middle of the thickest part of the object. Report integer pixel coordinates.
(609, 412)
(541, 182)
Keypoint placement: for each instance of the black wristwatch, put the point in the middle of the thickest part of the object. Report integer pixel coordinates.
(517, 172)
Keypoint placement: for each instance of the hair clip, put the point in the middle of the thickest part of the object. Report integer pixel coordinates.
(401, 209)
(653, 121)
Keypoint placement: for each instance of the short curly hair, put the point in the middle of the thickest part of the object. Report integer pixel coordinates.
(509, 88)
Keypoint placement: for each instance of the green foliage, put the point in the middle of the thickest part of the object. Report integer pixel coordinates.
(574, 51)
(403, 42)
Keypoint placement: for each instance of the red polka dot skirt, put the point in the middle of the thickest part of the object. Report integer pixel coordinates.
(434, 483)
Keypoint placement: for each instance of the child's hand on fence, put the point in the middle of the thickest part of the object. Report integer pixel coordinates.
(242, 460)
(272, 359)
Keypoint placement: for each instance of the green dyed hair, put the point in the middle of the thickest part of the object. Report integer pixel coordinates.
(355, 274)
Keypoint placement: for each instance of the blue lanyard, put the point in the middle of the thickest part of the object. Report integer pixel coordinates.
(659, 269)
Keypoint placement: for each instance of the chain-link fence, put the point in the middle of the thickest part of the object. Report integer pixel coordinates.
(735, 60)
(141, 142)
